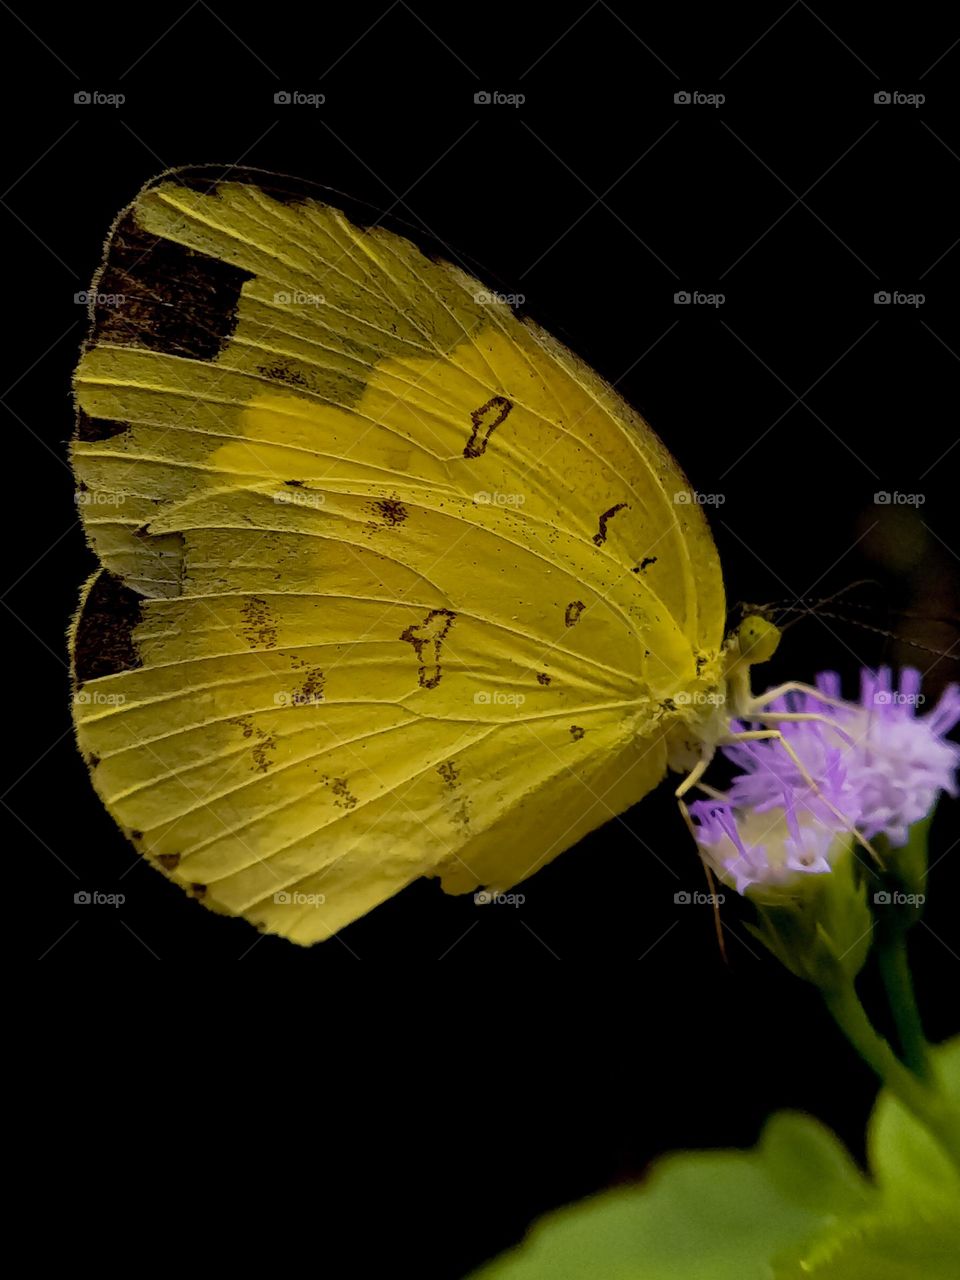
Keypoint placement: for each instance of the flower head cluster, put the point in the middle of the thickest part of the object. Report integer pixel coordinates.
(878, 767)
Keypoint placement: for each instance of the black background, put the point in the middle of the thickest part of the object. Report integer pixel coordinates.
(598, 198)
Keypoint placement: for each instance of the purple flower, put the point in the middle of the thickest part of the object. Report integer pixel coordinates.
(901, 762)
(764, 847)
(878, 767)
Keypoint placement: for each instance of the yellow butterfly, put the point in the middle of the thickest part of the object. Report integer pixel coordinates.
(392, 584)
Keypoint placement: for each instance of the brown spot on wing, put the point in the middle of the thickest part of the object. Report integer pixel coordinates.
(485, 420)
(456, 802)
(426, 640)
(543, 678)
(310, 691)
(262, 743)
(169, 861)
(389, 512)
(576, 732)
(103, 643)
(645, 563)
(449, 772)
(572, 613)
(286, 372)
(172, 299)
(260, 627)
(600, 536)
(343, 797)
(91, 429)
(261, 761)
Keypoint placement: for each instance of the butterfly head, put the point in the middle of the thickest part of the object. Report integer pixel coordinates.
(757, 639)
(754, 640)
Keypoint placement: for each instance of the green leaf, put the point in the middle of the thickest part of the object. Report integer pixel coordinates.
(914, 1229)
(910, 1168)
(883, 1246)
(719, 1215)
(794, 1208)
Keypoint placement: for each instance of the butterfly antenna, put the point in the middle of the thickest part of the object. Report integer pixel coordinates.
(892, 635)
(803, 607)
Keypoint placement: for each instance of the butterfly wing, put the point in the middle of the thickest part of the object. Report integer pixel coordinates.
(392, 584)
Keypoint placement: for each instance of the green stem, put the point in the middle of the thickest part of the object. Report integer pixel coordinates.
(923, 1101)
(895, 971)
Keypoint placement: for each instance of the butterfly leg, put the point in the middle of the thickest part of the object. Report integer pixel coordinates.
(794, 686)
(693, 777)
(794, 717)
(711, 881)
